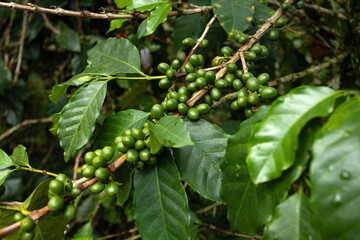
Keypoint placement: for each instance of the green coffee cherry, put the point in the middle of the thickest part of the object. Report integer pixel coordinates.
(112, 189)
(69, 212)
(56, 203)
(193, 114)
(156, 111)
(27, 224)
(163, 67)
(97, 187)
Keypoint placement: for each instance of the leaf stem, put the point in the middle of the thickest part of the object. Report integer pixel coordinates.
(139, 78)
(30, 169)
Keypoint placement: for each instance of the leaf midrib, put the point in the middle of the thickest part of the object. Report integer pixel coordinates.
(86, 110)
(281, 139)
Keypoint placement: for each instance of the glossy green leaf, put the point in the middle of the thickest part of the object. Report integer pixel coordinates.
(5, 160)
(262, 11)
(187, 26)
(169, 131)
(274, 142)
(78, 118)
(292, 220)
(123, 3)
(55, 119)
(124, 176)
(141, 29)
(157, 16)
(146, 5)
(234, 15)
(19, 156)
(3, 174)
(334, 174)
(161, 209)
(116, 124)
(49, 227)
(199, 164)
(114, 56)
(238, 191)
(60, 90)
(68, 38)
(115, 24)
(84, 233)
(38, 198)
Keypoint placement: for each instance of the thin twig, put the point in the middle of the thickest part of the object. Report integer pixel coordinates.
(326, 11)
(312, 70)
(49, 25)
(204, 210)
(133, 230)
(198, 41)
(233, 234)
(21, 49)
(76, 165)
(87, 14)
(243, 62)
(229, 96)
(22, 124)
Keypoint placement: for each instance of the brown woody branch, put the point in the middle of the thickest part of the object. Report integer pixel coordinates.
(37, 214)
(312, 70)
(87, 14)
(24, 123)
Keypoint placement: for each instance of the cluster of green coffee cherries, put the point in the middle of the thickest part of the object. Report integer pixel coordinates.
(135, 143)
(27, 226)
(95, 166)
(250, 89)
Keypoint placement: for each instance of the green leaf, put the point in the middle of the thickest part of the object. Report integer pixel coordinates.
(141, 29)
(199, 164)
(292, 220)
(161, 209)
(114, 56)
(68, 38)
(334, 174)
(3, 174)
(262, 11)
(273, 143)
(49, 227)
(237, 190)
(84, 233)
(169, 131)
(115, 125)
(115, 24)
(123, 3)
(187, 26)
(124, 176)
(157, 16)
(38, 198)
(146, 5)
(78, 118)
(19, 156)
(5, 160)
(60, 90)
(55, 119)
(234, 15)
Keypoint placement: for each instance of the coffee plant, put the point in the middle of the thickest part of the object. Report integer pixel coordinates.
(199, 119)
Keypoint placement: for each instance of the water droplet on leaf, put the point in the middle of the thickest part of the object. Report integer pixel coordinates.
(331, 168)
(238, 166)
(337, 199)
(345, 175)
(237, 175)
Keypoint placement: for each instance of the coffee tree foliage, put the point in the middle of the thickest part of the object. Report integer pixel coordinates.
(276, 157)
